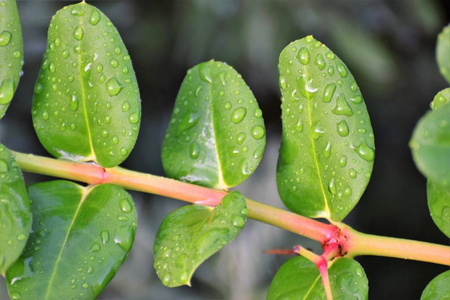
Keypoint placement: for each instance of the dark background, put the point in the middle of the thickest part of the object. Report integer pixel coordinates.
(388, 45)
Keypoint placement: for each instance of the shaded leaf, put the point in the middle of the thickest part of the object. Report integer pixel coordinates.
(191, 234)
(11, 51)
(15, 211)
(299, 278)
(441, 98)
(439, 206)
(81, 236)
(216, 135)
(327, 148)
(443, 52)
(86, 103)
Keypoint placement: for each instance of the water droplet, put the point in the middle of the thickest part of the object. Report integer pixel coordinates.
(5, 38)
(240, 138)
(365, 152)
(94, 18)
(341, 70)
(205, 73)
(114, 63)
(51, 67)
(353, 86)
(113, 87)
(21, 237)
(330, 55)
(78, 33)
(167, 278)
(306, 88)
(85, 285)
(352, 173)
(343, 161)
(133, 118)
(3, 166)
(105, 133)
(222, 78)
(17, 54)
(228, 105)
(104, 235)
(238, 221)
(330, 70)
(316, 130)
(257, 132)
(327, 150)
(342, 128)
(347, 190)
(15, 296)
(258, 153)
(115, 140)
(332, 187)
(73, 103)
(342, 107)
(329, 92)
(65, 53)
(45, 115)
(299, 125)
(319, 61)
(303, 56)
(6, 91)
(190, 120)
(77, 11)
(282, 82)
(38, 88)
(238, 115)
(90, 270)
(125, 205)
(95, 247)
(194, 150)
(356, 99)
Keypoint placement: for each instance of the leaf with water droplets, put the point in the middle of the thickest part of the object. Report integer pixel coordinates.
(15, 211)
(441, 98)
(299, 278)
(327, 148)
(439, 206)
(86, 104)
(443, 52)
(11, 52)
(216, 135)
(438, 288)
(81, 236)
(191, 234)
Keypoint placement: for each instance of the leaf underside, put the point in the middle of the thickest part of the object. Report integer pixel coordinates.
(327, 148)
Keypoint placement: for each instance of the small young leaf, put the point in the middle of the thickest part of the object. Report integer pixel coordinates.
(441, 98)
(438, 288)
(443, 52)
(430, 145)
(439, 205)
(327, 148)
(80, 238)
(86, 102)
(15, 211)
(299, 278)
(11, 53)
(216, 135)
(191, 234)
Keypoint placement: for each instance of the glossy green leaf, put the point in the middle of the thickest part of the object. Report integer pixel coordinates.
(191, 234)
(299, 278)
(86, 104)
(441, 98)
(439, 205)
(443, 52)
(15, 211)
(430, 145)
(81, 236)
(327, 147)
(438, 288)
(11, 53)
(216, 135)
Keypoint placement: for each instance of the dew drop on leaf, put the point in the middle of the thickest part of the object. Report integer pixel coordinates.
(78, 33)
(5, 38)
(238, 115)
(113, 87)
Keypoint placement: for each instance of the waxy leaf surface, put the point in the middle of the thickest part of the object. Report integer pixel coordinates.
(15, 211)
(216, 135)
(443, 52)
(191, 234)
(327, 148)
(86, 104)
(430, 145)
(80, 238)
(11, 52)
(441, 98)
(438, 288)
(439, 205)
(299, 278)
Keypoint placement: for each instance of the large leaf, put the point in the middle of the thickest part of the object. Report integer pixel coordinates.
(15, 211)
(299, 278)
(11, 53)
(430, 145)
(216, 135)
(441, 98)
(443, 52)
(86, 104)
(327, 148)
(80, 238)
(439, 205)
(438, 288)
(191, 234)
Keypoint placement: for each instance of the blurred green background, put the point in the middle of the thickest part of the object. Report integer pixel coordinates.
(388, 45)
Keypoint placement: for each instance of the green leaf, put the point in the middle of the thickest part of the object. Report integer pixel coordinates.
(15, 211)
(86, 104)
(299, 278)
(443, 52)
(216, 135)
(430, 145)
(81, 236)
(439, 205)
(327, 147)
(441, 98)
(191, 234)
(11, 53)
(438, 288)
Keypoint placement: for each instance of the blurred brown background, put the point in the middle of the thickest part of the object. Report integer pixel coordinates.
(388, 45)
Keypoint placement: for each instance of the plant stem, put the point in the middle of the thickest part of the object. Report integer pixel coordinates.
(355, 243)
